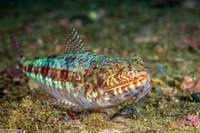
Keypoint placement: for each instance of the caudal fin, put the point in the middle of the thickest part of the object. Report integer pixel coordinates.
(16, 47)
(15, 70)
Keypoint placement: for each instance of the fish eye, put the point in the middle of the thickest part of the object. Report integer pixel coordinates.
(143, 62)
(117, 66)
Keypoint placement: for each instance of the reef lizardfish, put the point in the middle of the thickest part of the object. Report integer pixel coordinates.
(81, 79)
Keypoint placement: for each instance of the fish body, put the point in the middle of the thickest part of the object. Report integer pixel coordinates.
(77, 78)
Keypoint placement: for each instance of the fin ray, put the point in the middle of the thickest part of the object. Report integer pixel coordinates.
(64, 103)
(73, 43)
(14, 70)
(16, 46)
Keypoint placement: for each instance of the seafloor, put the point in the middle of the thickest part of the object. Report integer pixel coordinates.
(166, 33)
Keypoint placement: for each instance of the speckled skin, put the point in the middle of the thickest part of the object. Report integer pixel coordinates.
(82, 79)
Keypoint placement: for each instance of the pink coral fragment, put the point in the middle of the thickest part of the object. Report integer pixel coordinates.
(197, 85)
(190, 42)
(189, 120)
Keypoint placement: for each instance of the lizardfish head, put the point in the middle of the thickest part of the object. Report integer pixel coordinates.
(116, 81)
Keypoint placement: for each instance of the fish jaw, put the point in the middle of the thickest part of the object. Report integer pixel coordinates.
(113, 88)
(133, 88)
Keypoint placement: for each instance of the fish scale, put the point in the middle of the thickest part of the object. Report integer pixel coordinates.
(77, 78)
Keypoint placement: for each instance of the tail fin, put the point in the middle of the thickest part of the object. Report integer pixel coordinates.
(16, 47)
(15, 70)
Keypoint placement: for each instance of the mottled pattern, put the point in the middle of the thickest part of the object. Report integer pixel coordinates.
(86, 80)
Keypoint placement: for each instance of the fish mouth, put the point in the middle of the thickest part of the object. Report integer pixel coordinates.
(134, 87)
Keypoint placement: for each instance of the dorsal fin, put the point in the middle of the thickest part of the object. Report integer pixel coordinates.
(73, 43)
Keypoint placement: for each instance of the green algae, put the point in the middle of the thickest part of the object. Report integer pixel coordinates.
(137, 29)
